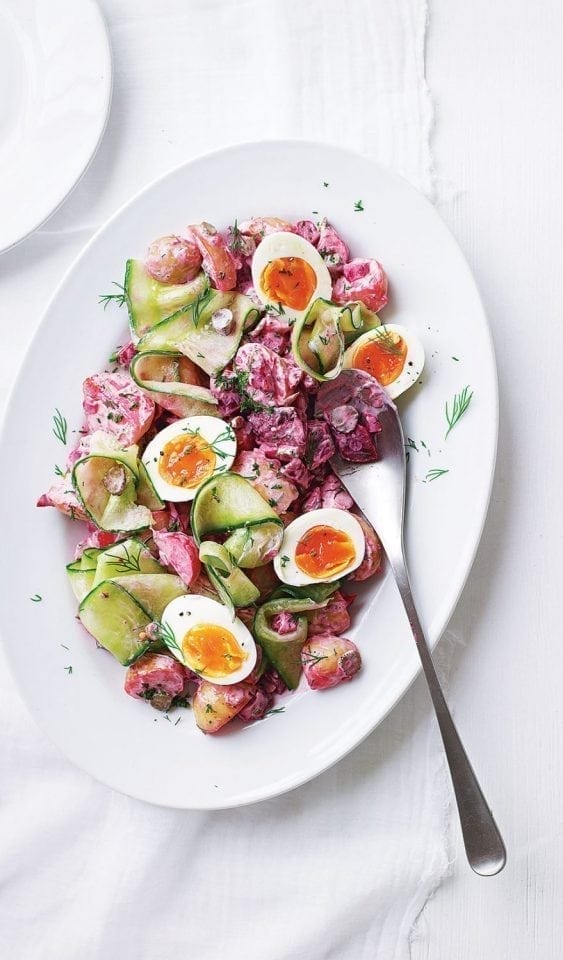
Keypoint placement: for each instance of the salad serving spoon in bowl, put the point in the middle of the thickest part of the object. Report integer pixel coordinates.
(379, 488)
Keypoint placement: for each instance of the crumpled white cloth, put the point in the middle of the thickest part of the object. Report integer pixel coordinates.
(341, 868)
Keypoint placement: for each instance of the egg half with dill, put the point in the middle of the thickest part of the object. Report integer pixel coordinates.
(201, 634)
(186, 454)
(288, 274)
(319, 547)
(390, 353)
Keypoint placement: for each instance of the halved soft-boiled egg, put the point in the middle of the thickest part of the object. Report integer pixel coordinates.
(187, 453)
(289, 273)
(320, 546)
(391, 353)
(200, 633)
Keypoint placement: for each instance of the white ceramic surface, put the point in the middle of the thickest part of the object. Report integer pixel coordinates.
(119, 740)
(55, 77)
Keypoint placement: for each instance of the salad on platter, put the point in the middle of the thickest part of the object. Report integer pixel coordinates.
(220, 551)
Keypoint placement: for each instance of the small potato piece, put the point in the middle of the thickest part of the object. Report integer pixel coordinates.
(216, 705)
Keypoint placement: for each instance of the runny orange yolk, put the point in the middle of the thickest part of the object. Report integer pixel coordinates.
(289, 281)
(212, 650)
(186, 461)
(324, 552)
(383, 356)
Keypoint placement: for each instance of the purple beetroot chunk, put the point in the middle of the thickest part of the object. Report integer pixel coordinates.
(280, 433)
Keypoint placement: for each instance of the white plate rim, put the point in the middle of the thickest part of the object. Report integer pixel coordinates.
(346, 745)
(66, 192)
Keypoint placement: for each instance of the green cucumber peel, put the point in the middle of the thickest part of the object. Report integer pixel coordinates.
(317, 340)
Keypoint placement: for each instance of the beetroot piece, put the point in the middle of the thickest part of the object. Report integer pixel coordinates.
(357, 446)
(330, 493)
(354, 390)
(332, 619)
(156, 677)
(272, 381)
(363, 280)
(283, 623)
(125, 354)
(173, 260)
(280, 434)
(264, 473)
(179, 551)
(114, 404)
(308, 230)
(332, 248)
(297, 473)
(100, 539)
(274, 333)
(328, 660)
(319, 447)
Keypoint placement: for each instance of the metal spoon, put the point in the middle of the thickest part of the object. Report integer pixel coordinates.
(379, 490)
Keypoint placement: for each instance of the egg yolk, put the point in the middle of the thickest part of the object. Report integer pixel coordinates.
(186, 461)
(289, 281)
(324, 552)
(212, 650)
(383, 356)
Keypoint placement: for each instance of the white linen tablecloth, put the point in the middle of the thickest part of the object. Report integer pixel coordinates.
(342, 867)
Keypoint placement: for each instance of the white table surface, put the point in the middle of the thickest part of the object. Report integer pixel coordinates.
(494, 72)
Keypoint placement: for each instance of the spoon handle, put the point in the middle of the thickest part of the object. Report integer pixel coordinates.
(483, 843)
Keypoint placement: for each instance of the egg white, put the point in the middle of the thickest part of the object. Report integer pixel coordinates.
(284, 563)
(186, 612)
(210, 428)
(277, 245)
(414, 360)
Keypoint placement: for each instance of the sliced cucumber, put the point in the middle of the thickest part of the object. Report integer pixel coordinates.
(153, 591)
(284, 650)
(221, 505)
(109, 511)
(116, 620)
(146, 493)
(190, 330)
(254, 546)
(89, 557)
(125, 558)
(226, 502)
(164, 377)
(317, 341)
(356, 319)
(80, 580)
(149, 301)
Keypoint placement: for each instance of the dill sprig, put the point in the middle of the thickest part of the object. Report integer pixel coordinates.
(388, 343)
(167, 635)
(58, 471)
(118, 298)
(127, 564)
(276, 309)
(434, 474)
(36, 598)
(460, 404)
(358, 206)
(312, 658)
(199, 304)
(235, 241)
(60, 426)
(271, 713)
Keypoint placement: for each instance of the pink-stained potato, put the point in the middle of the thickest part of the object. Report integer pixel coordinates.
(214, 705)
(329, 660)
(217, 261)
(173, 260)
(178, 551)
